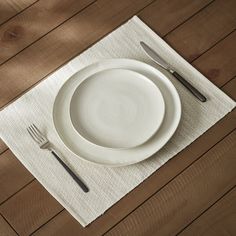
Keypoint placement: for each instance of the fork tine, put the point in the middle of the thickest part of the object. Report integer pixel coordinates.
(36, 134)
(39, 132)
(32, 135)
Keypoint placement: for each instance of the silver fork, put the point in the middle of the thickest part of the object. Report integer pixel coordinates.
(44, 143)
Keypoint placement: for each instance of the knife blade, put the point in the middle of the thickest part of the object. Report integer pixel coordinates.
(161, 62)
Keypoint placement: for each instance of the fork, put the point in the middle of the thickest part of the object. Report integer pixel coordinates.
(44, 143)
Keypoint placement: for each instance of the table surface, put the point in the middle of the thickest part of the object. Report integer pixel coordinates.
(192, 194)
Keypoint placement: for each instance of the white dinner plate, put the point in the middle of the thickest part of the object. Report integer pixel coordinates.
(117, 108)
(108, 156)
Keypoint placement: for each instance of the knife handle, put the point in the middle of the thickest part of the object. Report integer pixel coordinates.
(192, 89)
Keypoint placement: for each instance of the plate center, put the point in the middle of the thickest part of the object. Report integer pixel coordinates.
(117, 108)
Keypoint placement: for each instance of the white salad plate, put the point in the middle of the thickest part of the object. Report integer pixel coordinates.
(87, 150)
(117, 108)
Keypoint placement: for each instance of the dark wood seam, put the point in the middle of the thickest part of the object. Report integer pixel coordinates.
(225, 84)
(18, 13)
(143, 202)
(17, 191)
(81, 51)
(226, 193)
(47, 221)
(2, 107)
(201, 9)
(169, 181)
(48, 32)
(222, 86)
(8, 223)
(3, 151)
(212, 46)
(82, 10)
(59, 65)
(153, 193)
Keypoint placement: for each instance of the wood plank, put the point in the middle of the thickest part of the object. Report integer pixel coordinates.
(64, 223)
(147, 15)
(5, 228)
(23, 215)
(63, 43)
(3, 146)
(17, 38)
(23, 183)
(60, 45)
(163, 16)
(218, 64)
(13, 175)
(218, 220)
(9, 8)
(204, 30)
(187, 196)
(178, 11)
(35, 22)
(140, 194)
(230, 88)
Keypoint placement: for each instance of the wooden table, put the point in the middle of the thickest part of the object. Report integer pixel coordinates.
(194, 193)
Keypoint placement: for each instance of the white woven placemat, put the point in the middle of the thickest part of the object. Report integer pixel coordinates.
(107, 185)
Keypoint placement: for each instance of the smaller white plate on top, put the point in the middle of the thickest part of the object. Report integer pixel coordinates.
(117, 108)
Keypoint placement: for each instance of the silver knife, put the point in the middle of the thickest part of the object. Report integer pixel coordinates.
(161, 62)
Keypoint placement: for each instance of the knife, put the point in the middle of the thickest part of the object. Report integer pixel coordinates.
(161, 62)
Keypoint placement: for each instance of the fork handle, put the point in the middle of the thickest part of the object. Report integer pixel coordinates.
(72, 174)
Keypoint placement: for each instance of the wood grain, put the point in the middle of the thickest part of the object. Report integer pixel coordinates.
(3, 146)
(63, 43)
(63, 222)
(218, 64)
(22, 214)
(13, 175)
(204, 30)
(21, 31)
(178, 11)
(218, 220)
(9, 8)
(57, 47)
(35, 22)
(163, 16)
(111, 14)
(5, 228)
(230, 88)
(187, 196)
